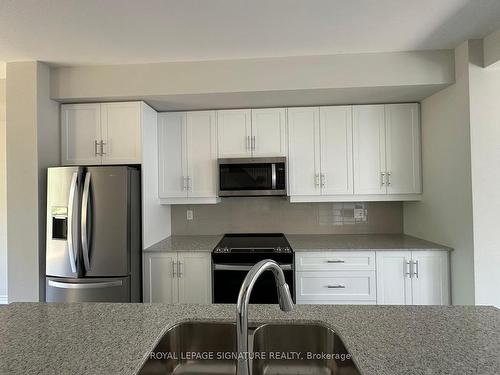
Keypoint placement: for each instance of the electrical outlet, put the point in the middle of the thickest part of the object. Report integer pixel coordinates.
(189, 215)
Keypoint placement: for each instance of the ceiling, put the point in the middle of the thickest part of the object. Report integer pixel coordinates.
(75, 32)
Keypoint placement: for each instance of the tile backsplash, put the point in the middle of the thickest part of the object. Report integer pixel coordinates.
(278, 215)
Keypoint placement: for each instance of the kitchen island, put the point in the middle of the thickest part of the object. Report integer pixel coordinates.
(88, 338)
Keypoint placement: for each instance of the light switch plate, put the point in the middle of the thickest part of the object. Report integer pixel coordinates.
(189, 215)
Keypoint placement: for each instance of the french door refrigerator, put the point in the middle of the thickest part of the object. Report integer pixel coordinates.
(93, 251)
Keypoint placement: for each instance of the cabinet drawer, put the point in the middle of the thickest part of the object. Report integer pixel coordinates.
(335, 260)
(336, 286)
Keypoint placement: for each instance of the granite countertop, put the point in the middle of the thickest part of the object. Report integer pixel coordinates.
(185, 243)
(322, 242)
(303, 242)
(117, 338)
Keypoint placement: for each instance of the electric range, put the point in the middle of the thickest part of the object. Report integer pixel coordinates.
(237, 253)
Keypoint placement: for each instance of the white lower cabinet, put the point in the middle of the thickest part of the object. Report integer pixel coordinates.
(177, 277)
(403, 277)
(335, 277)
(413, 278)
(330, 287)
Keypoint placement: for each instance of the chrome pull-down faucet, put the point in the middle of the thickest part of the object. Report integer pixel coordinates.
(285, 302)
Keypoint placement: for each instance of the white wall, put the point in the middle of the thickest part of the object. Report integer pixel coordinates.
(485, 156)
(445, 213)
(32, 144)
(3, 198)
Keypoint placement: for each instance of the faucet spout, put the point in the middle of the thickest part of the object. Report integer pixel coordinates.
(285, 303)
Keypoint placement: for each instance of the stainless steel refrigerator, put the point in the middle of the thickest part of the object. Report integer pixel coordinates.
(93, 251)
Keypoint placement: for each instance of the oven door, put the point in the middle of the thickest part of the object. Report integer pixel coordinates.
(227, 280)
(252, 177)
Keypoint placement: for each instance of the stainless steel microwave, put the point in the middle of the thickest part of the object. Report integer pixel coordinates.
(241, 177)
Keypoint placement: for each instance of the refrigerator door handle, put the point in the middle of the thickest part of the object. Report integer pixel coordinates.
(85, 221)
(106, 284)
(71, 203)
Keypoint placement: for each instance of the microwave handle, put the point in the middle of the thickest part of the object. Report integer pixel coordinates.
(273, 176)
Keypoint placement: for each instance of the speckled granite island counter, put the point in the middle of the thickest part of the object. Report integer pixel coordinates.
(325, 242)
(117, 338)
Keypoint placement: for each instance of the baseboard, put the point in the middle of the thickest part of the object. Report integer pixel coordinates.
(3, 300)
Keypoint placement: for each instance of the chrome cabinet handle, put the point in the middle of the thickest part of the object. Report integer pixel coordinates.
(248, 144)
(382, 178)
(179, 268)
(85, 221)
(102, 147)
(335, 261)
(339, 286)
(388, 178)
(184, 183)
(316, 180)
(71, 204)
(189, 185)
(323, 180)
(415, 272)
(174, 268)
(407, 269)
(96, 145)
(253, 143)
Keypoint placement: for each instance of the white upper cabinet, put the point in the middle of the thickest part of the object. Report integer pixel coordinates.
(121, 133)
(172, 162)
(187, 146)
(402, 129)
(252, 133)
(304, 151)
(234, 131)
(320, 152)
(268, 136)
(386, 149)
(201, 147)
(105, 133)
(369, 149)
(336, 150)
(80, 134)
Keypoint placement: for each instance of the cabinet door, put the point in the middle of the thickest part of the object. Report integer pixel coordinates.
(336, 150)
(402, 129)
(304, 153)
(172, 163)
(269, 132)
(195, 278)
(201, 141)
(80, 130)
(160, 280)
(234, 133)
(369, 149)
(393, 278)
(122, 133)
(430, 278)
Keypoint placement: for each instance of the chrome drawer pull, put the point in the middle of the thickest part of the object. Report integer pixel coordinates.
(335, 261)
(336, 286)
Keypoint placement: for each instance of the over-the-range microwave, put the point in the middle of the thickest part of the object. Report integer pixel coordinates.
(243, 177)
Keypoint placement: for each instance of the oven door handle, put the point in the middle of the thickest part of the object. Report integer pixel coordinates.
(241, 267)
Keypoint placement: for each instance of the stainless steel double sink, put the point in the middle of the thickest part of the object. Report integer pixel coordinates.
(198, 347)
